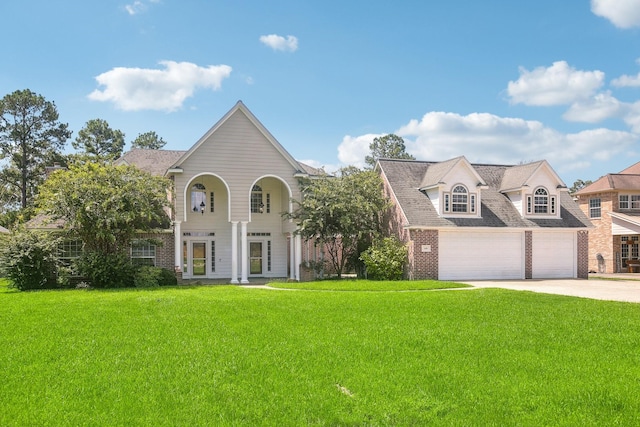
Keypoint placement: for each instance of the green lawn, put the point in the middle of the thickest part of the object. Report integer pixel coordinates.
(223, 355)
(368, 285)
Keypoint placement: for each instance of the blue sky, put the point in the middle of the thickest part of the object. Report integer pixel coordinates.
(498, 81)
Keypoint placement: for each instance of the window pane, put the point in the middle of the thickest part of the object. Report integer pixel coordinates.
(595, 210)
(256, 199)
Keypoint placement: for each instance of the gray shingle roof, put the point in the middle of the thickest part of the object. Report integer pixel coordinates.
(406, 176)
(515, 177)
(156, 162)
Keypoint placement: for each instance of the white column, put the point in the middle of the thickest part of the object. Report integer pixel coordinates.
(177, 239)
(245, 253)
(292, 257)
(234, 251)
(298, 255)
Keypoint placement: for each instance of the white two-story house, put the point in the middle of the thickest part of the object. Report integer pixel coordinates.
(230, 190)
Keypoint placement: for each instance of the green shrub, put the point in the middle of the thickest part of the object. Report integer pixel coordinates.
(29, 259)
(110, 270)
(151, 277)
(168, 277)
(385, 259)
(147, 277)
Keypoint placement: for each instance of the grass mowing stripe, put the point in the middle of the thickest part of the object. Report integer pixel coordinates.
(227, 355)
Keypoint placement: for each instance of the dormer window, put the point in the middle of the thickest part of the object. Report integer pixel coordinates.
(541, 202)
(459, 200)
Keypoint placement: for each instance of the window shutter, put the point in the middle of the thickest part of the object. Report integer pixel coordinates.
(529, 204)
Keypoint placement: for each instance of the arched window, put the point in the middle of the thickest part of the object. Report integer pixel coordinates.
(256, 199)
(459, 199)
(541, 201)
(198, 197)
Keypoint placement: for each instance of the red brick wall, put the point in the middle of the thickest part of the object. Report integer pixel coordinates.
(583, 254)
(601, 241)
(528, 254)
(425, 264)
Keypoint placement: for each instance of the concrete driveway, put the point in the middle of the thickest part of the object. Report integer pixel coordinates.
(615, 289)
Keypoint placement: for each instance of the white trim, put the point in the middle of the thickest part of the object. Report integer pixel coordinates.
(244, 255)
(177, 238)
(234, 252)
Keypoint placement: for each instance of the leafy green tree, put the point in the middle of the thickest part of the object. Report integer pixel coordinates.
(99, 141)
(148, 140)
(579, 185)
(340, 213)
(388, 147)
(31, 137)
(105, 206)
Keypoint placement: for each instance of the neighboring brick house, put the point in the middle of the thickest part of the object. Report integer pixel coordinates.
(464, 221)
(612, 203)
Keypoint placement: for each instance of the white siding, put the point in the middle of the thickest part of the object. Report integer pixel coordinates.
(239, 154)
(478, 255)
(516, 199)
(620, 227)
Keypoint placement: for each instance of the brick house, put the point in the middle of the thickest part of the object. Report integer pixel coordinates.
(612, 203)
(464, 221)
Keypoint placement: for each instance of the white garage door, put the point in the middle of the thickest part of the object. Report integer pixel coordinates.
(480, 255)
(554, 255)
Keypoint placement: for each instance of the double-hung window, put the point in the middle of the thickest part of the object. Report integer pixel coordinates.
(256, 199)
(143, 253)
(595, 209)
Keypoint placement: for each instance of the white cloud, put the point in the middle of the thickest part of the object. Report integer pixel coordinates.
(133, 89)
(600, 107)
(139, 6)
(632, 118)
(627, 81)
(558, 84)
(622, 13)
(487, 138)
(352, 150)
(276, 42)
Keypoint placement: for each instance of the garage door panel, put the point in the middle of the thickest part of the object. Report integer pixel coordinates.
(480, 255)
(554, 255)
